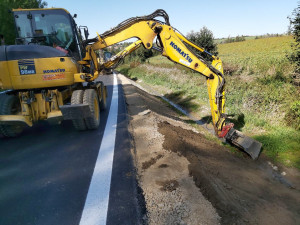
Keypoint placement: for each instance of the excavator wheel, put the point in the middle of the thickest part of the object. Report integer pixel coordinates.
(103, 100)
(90, 97)
(77, 98)
(10, 105)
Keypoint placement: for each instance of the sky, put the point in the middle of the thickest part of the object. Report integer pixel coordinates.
(224, 18)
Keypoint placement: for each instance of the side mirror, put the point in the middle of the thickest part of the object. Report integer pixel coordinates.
(75, 15)
(86, 33)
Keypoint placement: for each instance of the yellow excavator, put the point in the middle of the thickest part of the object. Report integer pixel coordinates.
(50, 73)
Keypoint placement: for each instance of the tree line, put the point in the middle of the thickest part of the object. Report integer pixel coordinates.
(7, 28)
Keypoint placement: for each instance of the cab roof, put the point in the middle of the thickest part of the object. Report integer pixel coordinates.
(40, 9)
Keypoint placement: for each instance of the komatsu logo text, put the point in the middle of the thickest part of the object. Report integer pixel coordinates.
(54, 71)
(186, 56)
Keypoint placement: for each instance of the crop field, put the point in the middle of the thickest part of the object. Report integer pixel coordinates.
(264, 56)
(260, 56)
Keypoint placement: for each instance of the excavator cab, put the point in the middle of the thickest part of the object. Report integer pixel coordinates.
(38, 74)
(54, 28)
(48, 47)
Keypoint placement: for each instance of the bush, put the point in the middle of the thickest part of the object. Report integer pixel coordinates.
(276, 78)
(293, 116)
(295, 29)
(240, 38)
(134, 64)
(230, 69)
(236, 39)
(204, 39)
(229, 40)
(141, 54)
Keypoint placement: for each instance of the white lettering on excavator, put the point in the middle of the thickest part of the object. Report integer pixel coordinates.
(54, 71)
(184, 62)
(185, 55)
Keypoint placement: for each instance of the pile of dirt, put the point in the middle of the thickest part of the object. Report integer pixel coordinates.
(243, 191)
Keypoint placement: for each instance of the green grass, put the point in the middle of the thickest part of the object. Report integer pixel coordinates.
(259, 92)
(282, 144)
(161, 61)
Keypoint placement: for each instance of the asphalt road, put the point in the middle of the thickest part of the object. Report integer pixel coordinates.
(45, 174)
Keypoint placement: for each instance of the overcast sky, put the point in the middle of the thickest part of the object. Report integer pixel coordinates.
(224, 18)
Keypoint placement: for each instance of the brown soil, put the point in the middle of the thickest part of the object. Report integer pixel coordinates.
(171, 195)
(163, 166)
(150, 162)
(169, 185)
(243, 191)
(180, 161)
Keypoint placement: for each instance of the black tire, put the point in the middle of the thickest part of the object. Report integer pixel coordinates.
(103, 102)
(77, 98)
(10, 105)
(90, 97)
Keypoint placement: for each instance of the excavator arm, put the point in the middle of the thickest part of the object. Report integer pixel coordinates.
(173, 45)
(114, 61)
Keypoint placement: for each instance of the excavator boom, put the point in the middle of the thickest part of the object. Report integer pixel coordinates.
(177, 48)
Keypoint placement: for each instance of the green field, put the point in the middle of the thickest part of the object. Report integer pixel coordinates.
(259, 92)
(259, 56)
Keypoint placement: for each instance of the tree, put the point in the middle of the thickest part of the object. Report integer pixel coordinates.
(204, 39)
(229, 40)
(6, 19)
(295, 30)
(239, 38)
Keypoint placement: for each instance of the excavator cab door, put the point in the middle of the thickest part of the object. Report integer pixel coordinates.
(55, 28)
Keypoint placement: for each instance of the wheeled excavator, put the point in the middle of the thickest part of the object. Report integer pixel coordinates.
(51, 72)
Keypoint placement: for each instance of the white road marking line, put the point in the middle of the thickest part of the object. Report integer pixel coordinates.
(96, 204)
(3, 92)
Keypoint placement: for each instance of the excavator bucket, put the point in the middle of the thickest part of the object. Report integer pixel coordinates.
(249, 145)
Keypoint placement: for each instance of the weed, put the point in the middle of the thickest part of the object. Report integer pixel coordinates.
(230, 69)
(293, 116)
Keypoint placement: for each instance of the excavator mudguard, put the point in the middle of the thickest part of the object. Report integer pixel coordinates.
(249, 145)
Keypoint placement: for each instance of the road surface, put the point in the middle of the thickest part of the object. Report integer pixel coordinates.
(46, 174)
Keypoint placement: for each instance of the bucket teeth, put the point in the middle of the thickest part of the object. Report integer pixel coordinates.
(249, 145)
